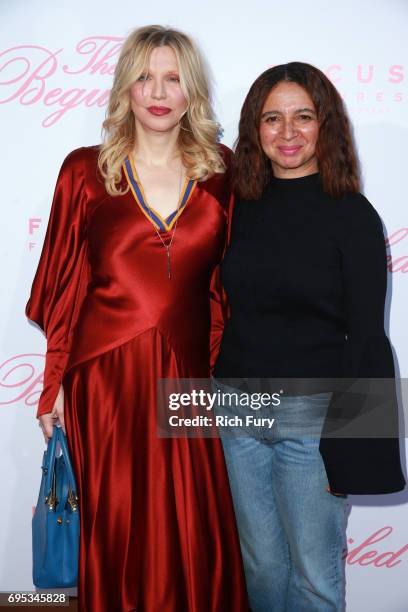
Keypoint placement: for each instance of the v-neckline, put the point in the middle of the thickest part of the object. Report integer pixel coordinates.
(163, 225)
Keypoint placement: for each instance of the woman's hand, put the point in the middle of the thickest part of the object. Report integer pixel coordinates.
(47, 421)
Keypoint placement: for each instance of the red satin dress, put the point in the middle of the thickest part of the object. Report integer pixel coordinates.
(157, 525)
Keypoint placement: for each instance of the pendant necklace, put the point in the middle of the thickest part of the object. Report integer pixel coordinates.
(168, 244)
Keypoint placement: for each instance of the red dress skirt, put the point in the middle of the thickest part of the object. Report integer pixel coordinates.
(156, 516)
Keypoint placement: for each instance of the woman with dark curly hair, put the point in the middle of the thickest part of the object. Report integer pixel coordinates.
(305, 275)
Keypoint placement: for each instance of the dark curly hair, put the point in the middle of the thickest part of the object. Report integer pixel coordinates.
(335, 151)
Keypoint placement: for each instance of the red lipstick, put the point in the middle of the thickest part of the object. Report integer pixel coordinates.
(159, 110)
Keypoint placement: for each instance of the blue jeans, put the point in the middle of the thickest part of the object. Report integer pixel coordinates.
(291, 529)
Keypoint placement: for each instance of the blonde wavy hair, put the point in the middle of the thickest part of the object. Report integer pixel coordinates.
(199, 129)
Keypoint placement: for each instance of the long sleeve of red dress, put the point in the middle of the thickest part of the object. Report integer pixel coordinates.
(61, 278)
(219, 314)
(218, 297)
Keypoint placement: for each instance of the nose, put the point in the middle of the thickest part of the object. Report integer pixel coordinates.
(158, 90)
(288, 129)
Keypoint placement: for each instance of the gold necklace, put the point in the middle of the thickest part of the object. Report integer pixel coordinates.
(168, 244)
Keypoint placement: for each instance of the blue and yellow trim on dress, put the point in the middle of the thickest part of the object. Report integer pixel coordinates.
(163, 225)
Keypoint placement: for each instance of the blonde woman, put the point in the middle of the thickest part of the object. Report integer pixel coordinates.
(124, 291)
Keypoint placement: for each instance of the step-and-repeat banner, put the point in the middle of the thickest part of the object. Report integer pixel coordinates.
(56, 66)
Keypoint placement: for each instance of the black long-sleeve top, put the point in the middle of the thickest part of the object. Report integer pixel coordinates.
(305, 275)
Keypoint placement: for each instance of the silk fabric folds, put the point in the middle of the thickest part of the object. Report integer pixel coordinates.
(157, 525)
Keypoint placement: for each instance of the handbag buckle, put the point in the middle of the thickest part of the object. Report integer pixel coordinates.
(51, 499)
(72, 499)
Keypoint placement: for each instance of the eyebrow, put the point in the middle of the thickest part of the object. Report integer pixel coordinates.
(299, 110)
(147, 71)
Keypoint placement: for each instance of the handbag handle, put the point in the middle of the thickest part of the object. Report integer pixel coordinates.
(58, 435)
(64, 448)
(49, 468)
(68, 490)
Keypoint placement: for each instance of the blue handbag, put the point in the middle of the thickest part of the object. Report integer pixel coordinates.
(55, 524)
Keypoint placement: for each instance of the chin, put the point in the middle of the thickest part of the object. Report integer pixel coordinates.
(290, 165)
(160, 126)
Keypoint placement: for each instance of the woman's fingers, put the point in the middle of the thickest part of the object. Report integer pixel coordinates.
(58, 409)
(47, 421)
